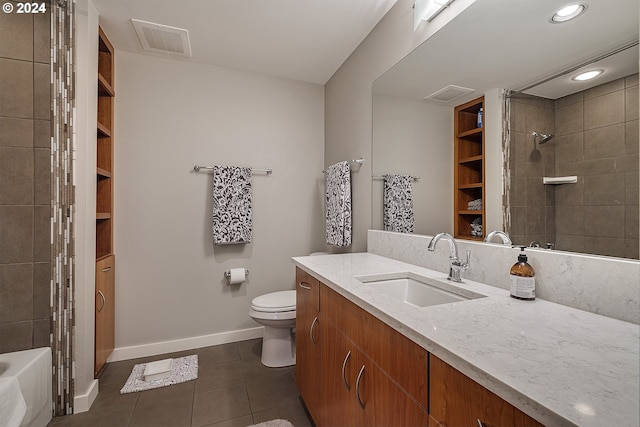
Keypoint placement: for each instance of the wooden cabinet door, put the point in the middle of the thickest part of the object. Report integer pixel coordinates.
(381, 402)
(105, 312)
(355, 390)
(456, 400)
(337, 390)
(308, 341)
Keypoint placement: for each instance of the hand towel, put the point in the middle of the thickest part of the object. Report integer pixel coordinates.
(12, 405)
(398, 203)
(232, 210)
(338, 204)
(476, 227)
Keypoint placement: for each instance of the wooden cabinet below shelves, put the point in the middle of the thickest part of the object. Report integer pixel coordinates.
(105, 311)
(469, 171)
(456, 400)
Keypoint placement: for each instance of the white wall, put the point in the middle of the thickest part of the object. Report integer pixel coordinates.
(494, 160)
(348, 98)
(412, 138)
(171, 115)
(85, 193)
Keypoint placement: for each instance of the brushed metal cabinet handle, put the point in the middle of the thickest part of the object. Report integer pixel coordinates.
(307, 287)
(313, 324)
(344, 365)
(104, 270)
(104, 300)
(358, 387)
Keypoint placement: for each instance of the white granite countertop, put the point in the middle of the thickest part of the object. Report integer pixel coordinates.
(560, 365)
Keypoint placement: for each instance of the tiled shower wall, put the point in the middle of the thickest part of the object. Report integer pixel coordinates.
(532, 204)
(25, 173)
(597, 140)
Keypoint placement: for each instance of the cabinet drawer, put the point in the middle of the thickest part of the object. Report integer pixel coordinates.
(307, 289)
(457, 400)
(396, 355)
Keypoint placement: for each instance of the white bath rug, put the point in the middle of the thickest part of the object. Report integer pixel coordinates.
(183, 369)
(273, 423)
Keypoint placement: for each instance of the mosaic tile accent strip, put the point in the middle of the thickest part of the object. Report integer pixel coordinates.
(506, 147)
(62, 203)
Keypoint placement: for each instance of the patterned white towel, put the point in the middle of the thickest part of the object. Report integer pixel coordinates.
(398, 203)
(232, 210)
(338, 198)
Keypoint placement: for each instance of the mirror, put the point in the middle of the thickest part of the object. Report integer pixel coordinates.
(502, 50)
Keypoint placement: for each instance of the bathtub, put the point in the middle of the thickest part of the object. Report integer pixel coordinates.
(32, 369)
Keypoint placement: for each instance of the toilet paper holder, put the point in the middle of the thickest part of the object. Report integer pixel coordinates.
(227, 274)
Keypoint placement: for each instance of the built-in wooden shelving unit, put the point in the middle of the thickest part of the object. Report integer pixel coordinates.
(469, 164)
(105, 259)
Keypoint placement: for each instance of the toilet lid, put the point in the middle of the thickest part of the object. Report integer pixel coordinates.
(275, 301)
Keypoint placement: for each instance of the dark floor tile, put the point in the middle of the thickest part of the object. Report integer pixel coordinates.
(293, 412)
(270, 393)
(117, 372)
(254, 370)
(218, 354)
(119, 418)
(171, 413)
(250, 349)
(219, 375)
(113, 401)
(220, 405)
(235, 422)
(165, 393)
(219, 396)
(59, 421)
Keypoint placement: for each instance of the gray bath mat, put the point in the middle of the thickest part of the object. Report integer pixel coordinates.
(183, 369)
(273, 423)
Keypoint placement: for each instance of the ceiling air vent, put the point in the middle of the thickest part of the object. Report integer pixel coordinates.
(162, 38)
(448, 94)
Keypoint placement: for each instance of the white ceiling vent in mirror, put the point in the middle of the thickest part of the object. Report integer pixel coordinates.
(448, 94)
(162, 38)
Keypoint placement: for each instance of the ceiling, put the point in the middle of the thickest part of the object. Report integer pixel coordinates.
(512, 45)
(303, 40)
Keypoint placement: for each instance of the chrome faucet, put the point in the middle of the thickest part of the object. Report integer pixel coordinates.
(504, 236)
(455, 265)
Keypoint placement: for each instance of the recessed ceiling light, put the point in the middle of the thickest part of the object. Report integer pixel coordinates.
(568, 12)
(587, 75)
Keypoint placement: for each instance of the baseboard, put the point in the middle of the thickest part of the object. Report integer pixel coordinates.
(83, 402)
(153, 349)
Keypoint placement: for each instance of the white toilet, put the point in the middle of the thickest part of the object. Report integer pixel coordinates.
(277, 312)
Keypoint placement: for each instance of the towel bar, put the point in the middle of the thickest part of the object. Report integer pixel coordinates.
(267, 171)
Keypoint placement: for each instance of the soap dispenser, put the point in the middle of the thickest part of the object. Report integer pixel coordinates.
(522, 275)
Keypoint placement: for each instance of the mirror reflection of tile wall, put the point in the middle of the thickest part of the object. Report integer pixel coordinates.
(596, 138)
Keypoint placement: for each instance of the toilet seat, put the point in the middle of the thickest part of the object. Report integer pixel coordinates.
(275, 302)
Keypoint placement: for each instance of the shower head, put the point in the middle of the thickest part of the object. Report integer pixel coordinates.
(544, 138)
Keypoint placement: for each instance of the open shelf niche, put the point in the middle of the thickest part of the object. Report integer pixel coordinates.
(469, 165)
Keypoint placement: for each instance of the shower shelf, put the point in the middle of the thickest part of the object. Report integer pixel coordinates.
(559, 180)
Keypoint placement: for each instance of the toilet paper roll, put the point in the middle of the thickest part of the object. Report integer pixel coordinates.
(236, 276)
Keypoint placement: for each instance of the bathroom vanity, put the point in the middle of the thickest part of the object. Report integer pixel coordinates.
(368, 357)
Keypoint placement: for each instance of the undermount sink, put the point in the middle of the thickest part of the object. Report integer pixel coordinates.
(416, 290)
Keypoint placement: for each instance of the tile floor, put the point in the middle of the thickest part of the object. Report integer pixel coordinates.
(233, 389)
